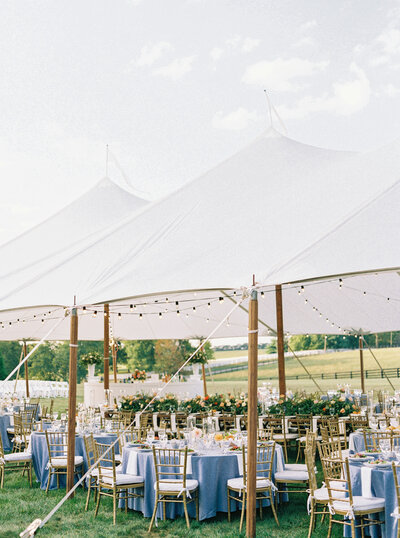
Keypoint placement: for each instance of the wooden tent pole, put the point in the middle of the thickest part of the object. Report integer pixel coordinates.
(360, 343)
(281, 344)
(252, 417)
(26, 370)
(73, 352)
(106, 347)
(17, 376)
(203, 371)
(114, 357)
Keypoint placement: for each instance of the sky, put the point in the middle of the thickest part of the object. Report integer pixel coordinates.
(176, 86)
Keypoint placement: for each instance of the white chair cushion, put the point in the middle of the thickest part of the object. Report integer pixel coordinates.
(10, 429)
(176, 485)
(322, 494)
(118, 458)
(360, 504)
(62, 462)
(297, 476)
(237, 483)
(18, 456)
(345, 453)
(281, 436)
(302, 439)
(123, 478)
(296, 467)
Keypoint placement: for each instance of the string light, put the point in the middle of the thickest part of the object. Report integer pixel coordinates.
(95, 314)
(262, 295)
(160, 314)
(119, 315)
(140, 316)
(131, 307)
(221, 299)
(178, 313)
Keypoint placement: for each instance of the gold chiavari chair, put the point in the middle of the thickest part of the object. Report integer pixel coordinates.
(265, 434)
(91, 481)
(113, 484)
(373, 438)
(396, 512)
(311, 445)
(16, 461)
(146, 421)
(304, 425)
(181, 420)
(57, 446)
(164, 420)
(237, 487)
(281, 436)
(330, 449)
(227, 422)
(127, 419)
(358, 421)
(335, 432)
(243, 422)
(172, 484)
(348, 507)
(318, 497)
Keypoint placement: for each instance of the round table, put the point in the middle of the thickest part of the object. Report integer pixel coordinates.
(40, 456)
(212, 471)
(4, 424)
(382, 485)
(356, 442)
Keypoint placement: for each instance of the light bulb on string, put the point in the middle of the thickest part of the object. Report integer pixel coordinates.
(95, 314)
(131, 307)
(160, 314)
(209, 305)
(262, 295)
(119, 315)
(221, 299)
(140, 316)
(178, 313)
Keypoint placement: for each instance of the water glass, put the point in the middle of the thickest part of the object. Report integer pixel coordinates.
(150, 436)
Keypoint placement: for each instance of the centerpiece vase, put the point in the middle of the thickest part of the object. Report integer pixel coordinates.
(91, 369)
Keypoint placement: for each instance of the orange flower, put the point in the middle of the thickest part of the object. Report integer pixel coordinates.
(342, 410)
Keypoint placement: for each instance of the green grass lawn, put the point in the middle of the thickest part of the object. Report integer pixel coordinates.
(20, 505)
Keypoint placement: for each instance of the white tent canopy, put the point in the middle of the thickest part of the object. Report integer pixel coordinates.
(257, 212)
(75, 225)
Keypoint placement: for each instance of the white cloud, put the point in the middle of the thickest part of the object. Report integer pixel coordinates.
(176, 69)
(346, 98)
(234, 121)
(389, 90)
(389, 40)
(249, 44)
(149, 54)
(216, 53)
(308, 25)
(304, 41)
(280, 74)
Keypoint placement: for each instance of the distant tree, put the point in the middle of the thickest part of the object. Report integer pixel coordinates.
(10, 353)
(171, 354)
(140, 354)
(3, 373)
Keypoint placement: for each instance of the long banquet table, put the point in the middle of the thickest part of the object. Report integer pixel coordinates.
(4, 424)
(211, 470)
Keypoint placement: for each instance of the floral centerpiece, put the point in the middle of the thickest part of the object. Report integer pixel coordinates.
(139, 375)
(91, 359)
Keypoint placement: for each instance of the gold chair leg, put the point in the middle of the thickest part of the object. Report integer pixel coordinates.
(98, 503)
(114, 506)
(48, 482)
(197, 505)
(164, 511)
(229, 506)
(154, 513)
(88, 494)
(273, 508)
(298, 452)
(186, 511)
(126, 501)
(243, 508)
(353, 529)
(312, 518)
(330, 527)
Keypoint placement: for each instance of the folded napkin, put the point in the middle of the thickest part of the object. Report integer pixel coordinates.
(173, 422)
(132, 467)
(314, 424)
(260, 423)
(155, 422)
(137, 420)
(240, 462)
(366, 473)
(280, 464)
(188, 463)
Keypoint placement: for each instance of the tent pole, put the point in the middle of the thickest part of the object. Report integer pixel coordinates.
(252, 417)
(114, 357)
(19, 365)
(73, 352)
(106, 346)
(203, 371)
(360, 341)
(281, 345)
(26, 370)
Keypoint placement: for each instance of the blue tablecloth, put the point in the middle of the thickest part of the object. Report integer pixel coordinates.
(4, 424)
(211, 471)
(356, 443)
(40, 456)
(382, 485)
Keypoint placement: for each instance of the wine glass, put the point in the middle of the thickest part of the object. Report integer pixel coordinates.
(163, 437)
(150, 436)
